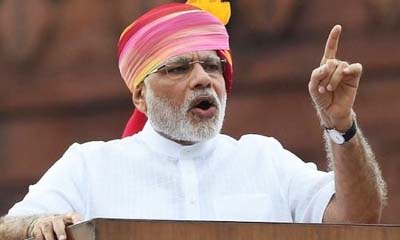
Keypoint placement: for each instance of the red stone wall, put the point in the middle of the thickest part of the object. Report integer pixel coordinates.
(60, 82)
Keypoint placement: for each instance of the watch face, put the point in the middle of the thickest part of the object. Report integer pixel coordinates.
(336, 136)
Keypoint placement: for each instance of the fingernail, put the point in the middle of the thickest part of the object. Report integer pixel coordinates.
(329, 87)
(321, 90)
(62, 237)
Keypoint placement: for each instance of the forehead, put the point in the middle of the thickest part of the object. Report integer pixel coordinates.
(192, 55)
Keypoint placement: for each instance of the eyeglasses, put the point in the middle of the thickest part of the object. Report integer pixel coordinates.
(181, 69)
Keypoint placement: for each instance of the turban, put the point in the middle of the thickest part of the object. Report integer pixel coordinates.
(164, 32)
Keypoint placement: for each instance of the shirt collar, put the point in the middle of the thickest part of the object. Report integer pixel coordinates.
(163, 145)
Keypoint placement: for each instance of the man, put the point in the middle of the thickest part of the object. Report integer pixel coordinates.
(175, 59)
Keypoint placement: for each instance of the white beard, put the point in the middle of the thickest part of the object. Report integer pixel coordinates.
(175, 121)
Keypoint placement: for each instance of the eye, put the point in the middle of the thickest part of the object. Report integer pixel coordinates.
(178, 69)
(212, 66)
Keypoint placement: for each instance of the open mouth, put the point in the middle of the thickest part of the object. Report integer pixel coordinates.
(204, 107)
(203, 103)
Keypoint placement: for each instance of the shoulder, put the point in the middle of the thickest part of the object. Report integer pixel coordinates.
(95, 151)
(102, 146)
(250, 140)
(249, 145)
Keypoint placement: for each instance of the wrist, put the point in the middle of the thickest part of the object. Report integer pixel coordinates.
(341, 137)
(31, 222)
(341, 124)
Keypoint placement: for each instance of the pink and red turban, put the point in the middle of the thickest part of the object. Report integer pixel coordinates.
(164, 32)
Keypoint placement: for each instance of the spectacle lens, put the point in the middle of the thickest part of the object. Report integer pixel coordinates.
(214, 67)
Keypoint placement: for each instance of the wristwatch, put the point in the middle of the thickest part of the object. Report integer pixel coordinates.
(339, 137)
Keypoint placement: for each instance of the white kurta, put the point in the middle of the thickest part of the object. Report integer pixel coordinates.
(147, 176)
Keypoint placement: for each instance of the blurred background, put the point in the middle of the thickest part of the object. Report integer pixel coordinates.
(60, 83)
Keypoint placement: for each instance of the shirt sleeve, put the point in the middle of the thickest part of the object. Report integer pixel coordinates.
(307, 189)
(60, 190)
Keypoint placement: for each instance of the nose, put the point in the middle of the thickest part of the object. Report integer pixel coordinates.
(199, 78)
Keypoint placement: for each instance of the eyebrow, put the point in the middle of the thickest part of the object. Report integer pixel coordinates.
(179, 59)
(184, 59)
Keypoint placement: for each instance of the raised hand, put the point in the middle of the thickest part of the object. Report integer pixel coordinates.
(333, 86)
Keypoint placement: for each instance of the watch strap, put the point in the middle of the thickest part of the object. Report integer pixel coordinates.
(340, 137)
(349, 134)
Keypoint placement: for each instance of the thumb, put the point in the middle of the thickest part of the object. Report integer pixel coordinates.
(73, 218)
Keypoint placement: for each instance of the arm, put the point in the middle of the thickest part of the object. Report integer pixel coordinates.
(360, 189)
(50, 204)
(38, 226)
(14, 228)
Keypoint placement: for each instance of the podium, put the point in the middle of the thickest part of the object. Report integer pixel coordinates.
(119, 229)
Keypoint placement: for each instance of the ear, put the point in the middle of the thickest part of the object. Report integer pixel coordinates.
(138, 97)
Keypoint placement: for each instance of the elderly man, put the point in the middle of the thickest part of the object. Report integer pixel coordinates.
(175, 59)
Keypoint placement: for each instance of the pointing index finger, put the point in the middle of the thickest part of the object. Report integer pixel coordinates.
(332, 44)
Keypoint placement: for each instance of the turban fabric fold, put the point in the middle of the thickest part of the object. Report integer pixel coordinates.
(164, 32)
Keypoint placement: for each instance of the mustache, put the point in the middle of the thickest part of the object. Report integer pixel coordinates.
(208, 94)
